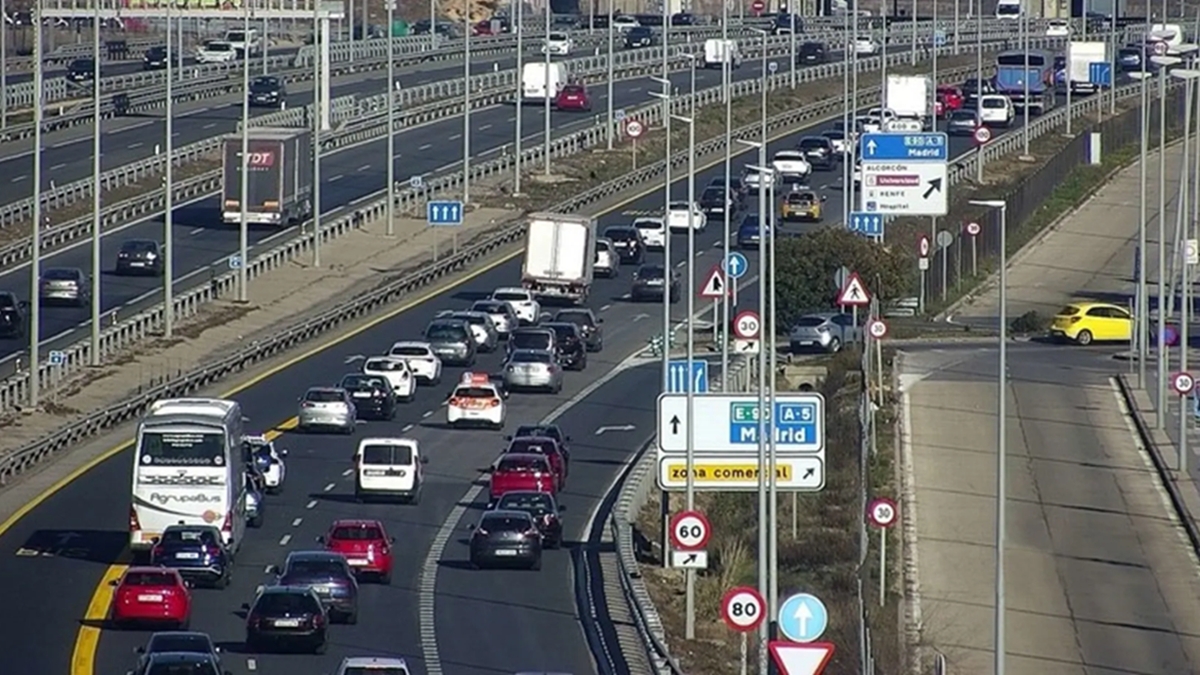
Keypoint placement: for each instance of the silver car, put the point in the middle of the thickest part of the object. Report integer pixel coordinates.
(827, 331)
(607, 260)
(327, 408)
(533, 369)
(487, 338)
(452, 341)
(503, 317)
(357, 665)
(65, 285)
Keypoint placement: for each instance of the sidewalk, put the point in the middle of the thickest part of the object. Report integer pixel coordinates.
(351, 264)
(1089, 254)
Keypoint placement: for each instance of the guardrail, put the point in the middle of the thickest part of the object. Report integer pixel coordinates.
(149, 322)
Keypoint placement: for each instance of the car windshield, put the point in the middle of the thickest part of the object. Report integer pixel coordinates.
(323, 396)
(357, 533)
(577, 318)
(312, 567)
(149, 579)
(445, 332)
(490, 307)
(522, 465)
(530, 356)
(265, 84)
(621, 234)
(474, 392)
(505, 523)
(993, 103)
(289, 603)
(218, 47)
(573, 90)
(189, 667)
(810, 321)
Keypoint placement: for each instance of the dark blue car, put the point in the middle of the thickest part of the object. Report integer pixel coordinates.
(748, 232)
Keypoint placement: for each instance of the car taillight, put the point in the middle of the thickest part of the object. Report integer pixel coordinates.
(494, 402)
(1074, 319)
(481, 532)
(456, 402)
(134, 523)
(318, 621)
(253, 620)
(227, 524)
(156, 552)
(306, 404)
(212, 550)
(532, 533)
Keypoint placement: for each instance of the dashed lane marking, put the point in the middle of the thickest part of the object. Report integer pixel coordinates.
(283, 541)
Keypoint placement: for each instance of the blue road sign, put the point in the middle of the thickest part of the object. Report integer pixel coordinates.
(415, 182)
(57, 358)
(619, 114)
(795, 423)
(1100, 73)
(736, 265)
(905, 147)
(803, 618)
(444, 214)
(870, 224)
(235, 261)
(678, 380)
(939, 38)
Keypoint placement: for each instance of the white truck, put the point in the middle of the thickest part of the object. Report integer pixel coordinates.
(540, 82)
(559, 256)
(909, 97)
(1080, 57)
(717, 52)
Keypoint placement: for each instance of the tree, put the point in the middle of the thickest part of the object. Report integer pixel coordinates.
(805, 267)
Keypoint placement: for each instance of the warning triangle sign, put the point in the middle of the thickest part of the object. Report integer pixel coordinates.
(801, 658)
(714, 288)
(854, 292)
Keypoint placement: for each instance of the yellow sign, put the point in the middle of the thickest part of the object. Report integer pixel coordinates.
(723, 472)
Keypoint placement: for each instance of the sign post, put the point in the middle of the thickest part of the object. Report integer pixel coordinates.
(882, 514)
(743, 610)
(922, 268)
(905, 174)
(634, 130)
(973, 230)
(944, 239)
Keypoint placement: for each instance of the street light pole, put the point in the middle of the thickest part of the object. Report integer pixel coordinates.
(611, 112)
(466, 133)
(520, 77)
(169, 201)
(1160, 403)
(690, 575)
(665, 96)
(1185, 266)
(97, 218)
(549, 97)
(319, 103)
(726, 74)
(391, 120)
(35, 262)
(243, 292)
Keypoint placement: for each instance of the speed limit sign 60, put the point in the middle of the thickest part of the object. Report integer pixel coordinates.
(743, 609)
(690, 531)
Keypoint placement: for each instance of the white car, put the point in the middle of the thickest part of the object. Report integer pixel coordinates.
(558, 44)
(867, 124)
(396, 371)
(754, 179)
(522, 301)
(476, 401)
(607, 261)
(865, 45)
(425, 365)
(216, 51)
(791, 164)
(678, 219)
(624, 23)
(652, 231)
(267, 459)
(500, 313)
(1058, 28)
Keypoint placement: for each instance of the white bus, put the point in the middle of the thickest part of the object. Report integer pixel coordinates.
(187, 468)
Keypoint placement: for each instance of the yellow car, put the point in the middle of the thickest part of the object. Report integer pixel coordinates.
(802, 205)
(1085, 322)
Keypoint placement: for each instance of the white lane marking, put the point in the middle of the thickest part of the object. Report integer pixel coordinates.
(347, 472)
(455, 137)
(283, 541)
(329, 487)
(58, 166)
(428, 413)
(512, 119)
(485, 127)
(682, 263)
(406, 428)
(336, 178)
(311, 504)
(131, 146)
(211, 125)
(267, 569)
(426, 146)
(364, 167)
(604, 308)
(634, 90)
(195, 231)
(18, 179)
(251, 664)
(296, 522)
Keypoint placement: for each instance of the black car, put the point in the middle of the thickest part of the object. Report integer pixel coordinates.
(640, 36)
(267, 90)
(373, 396)
(811, 54)
(287, 615)
(648, 284)
(819, 152)
(544, 510)
(787, 24)
(156, 58)
(329, 575)
(628, 242)
(187, 663)
(178, 642)
(715, 200)
(81, 70)
(588, 323)
(600, 21)
(737, 189)
(196, 552)
(683, 19)
(13, 317)
(973, 87)
(140, 256)
(572, 351)
(505, 538)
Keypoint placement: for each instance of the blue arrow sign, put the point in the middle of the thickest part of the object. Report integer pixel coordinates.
(678, 380)
(905, 147)
(444, 214)
(939, 38)
(736, 265)
(1100, 73)
(57, 358)
(803, 618)
(869, 224)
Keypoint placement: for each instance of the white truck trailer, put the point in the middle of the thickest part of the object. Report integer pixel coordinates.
(559, 256)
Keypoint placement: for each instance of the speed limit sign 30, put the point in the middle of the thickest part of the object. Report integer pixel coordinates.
(746, 325)
(743, 609)
(882, 512)
(690, 531)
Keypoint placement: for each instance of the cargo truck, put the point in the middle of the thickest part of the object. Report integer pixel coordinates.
(279, 177)
(1020, 73)
(559, 256)
(908, 96)
(1080, 57)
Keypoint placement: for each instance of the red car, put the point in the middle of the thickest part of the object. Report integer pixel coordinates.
(949, 99)
(151, 594)
(526, 473)
(482, 28)
(543, 445)
(364, 544)
(573, 97)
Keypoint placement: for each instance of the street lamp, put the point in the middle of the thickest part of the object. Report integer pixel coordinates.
(1163, 62)
(1001, 446)
(1189, 77)
(1142, 313)
(520, 31)
(665, 97)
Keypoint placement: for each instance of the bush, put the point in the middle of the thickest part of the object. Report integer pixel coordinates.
(1030, 322)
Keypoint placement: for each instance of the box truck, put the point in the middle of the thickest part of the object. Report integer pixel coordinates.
(1080, 57)
(718, 52)
(909, 97)
(559, 256)
(279, 177)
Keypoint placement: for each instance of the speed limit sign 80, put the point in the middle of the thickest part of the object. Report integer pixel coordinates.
(743, 609)
(690, 531)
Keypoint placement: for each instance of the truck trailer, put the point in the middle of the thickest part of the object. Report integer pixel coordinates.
(560, 252)
(909, 97)
(279, 177)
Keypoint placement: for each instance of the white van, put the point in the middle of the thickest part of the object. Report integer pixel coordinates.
(717, 52)
(1170, 33)
(1009, 9)
(996, 110)
(539, 84)
(244, 42)
(389, 468)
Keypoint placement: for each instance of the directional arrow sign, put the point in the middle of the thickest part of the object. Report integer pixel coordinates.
(714, 287)
(854, 293)
(803, 618)
(801, 659)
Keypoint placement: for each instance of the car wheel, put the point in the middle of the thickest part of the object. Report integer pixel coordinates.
(1084, 338)
(835, 346)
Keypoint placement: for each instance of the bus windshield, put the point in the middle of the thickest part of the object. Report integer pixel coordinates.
(181, 448)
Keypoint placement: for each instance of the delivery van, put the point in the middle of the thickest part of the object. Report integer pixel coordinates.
(717, 52)
(541, 82)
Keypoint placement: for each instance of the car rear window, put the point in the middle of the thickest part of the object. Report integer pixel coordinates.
(523, 464)
(287, 602)
(386, 365)
(532, 357)
(357, 533)
(537, 502)
(187, 537)
(322, 567)
(197, 667)
(509, 295)
(993, 103)
(620, 234)
(573, 90)
(444, 332)
(149, 579)
(530, 446)
(60, 275)
(363, 383)
(474, 392)
(323, 396)
(374, 670)
(813, 143)
(409, 351)
(506, 523)
(809, 321)
(387, 454)
(1069, 310)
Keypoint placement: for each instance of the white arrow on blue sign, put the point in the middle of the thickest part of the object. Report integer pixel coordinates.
(869, 224)
(905, 147)
(736, 265)
(803, 618)
(678, 380)
(1100, 73)
(444, 214)
(235, 261)
(619, 114)
(57, 358)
